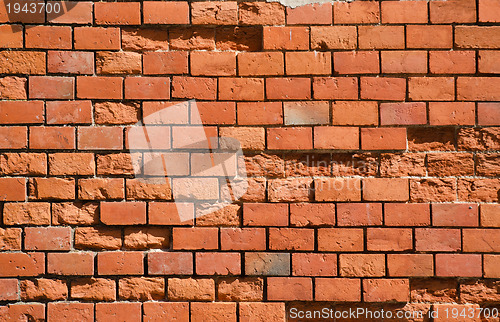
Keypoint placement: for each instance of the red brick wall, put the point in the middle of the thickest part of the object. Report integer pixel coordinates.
(372, 147)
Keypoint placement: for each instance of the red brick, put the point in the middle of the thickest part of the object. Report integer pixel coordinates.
(452, 113)
(218, 264)
(118, 311)
(310, 264)
(261, 13)
(477, 36)
(431, 88)
(491, 265)
(14, 112)
(381, 37)
(397, 214)
(286, 38)
(255, 113)
(477, 88)
(97, 38)
(174, 62)
(351, 214)
(12, 189)
(308, 63)
(123, 213)
(460, 265)
(354, 113)
(338, 289)
(52, 188)
(213, 63)
(488, 114)
(402, 265)
(22, 264)
(120, 263)
(83, 312)
(47, 238)
(99, 87)
(335, 88)
(459, 11)
(386, 290)
(12, 87)
(429, 36)
(437, 239)
(117, 13)
(24, 311)
(404, 62)
(362, 265)
(166, 213)
(170, 263)
(190, 38)
(49, 37)
(261, 214)
(272, 312)
(291, 239)
(480, 240)
(289, 138)
(433, 189)
(75, 12)
(69, 112)
(363, 62)
(338, 189)
(256, 64)
(389, 239)
(10, 238)
(51, 87)
(288, 88)
(311, 14)
(305, 214)
(333, 37)
(213, 312)
(93, 289)
(487, 61)
(244, 89)
(240, 289)
(194, 87)
(403, 113)
(243, 238)
(108, 62)
(383, 139)
(12, 36)
(383, 88)
(215, 112)
(214, 13)
(488, 215)
(161, 311)
(342, 138)
(455, 215)
(147, 88)
(289, 289)
(290, 190)
(81, 263)
(23, 62)
(404, 12)
(100, 189)
(359, 12)
(32, 213)
(199, 289)
(385, 189)
(340, 240)
(10, 289)
(174, 12)
(100, 138)
(195, 238)
(70, 62)
(452, 62)
(52, 138)
(488, 11)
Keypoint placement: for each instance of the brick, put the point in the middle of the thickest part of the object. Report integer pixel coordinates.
(218, 264)
(486, 164)
(243, 238)
(252, 113)
(383, 139)
(308, 63)
(99, 87)
(22, 264)
(163, 213)
(403, 113)
(76, 311)
(452, 113)
(175, 62)
(75, 12)
(488, 10)
(291, 239)
(227, 216)
(354, 113)
(22, 62)
(381, 37)
(192, 38)
(402, 164)
(213, 63)
(71, 164)
(383, 88)
(459, 11)
(261, 214)
(310, 14)
(310, 264)
(452, 62)
(74, 213)
(13, 88)
(118, 311)
(480, 240)
(305, 214)
(69, 112)
(134, 39)
(437, 239)
(386, 290)
(385, 189)
(487, 61)
(51, 87)
(404, 62)
(488, 217)
(33, 213)
(200, 289)
(97, 38)
(488, 114)
(491, 263)
(23, 163)
(431, 138)
(12, 36)
(169, 263)
(146, 238)
(195, 238)
(443, 164)
(47, 238)
(476, 88)
(244, 89)
(477, 190)
(52, 188)
(338, 289)
(98, 238)
(214, 13)
(70, 62)
(289, 289)
(44, 289)
(117, 13)
(120, 263)
(402, 265)
(48, 37)
(194, 87)
(139, 190)
(12, 189)
(406, 214)
(335, 88)
(147, 88)
(286, 38)
(389, 239)
(15, 112)
(100, 188)
(463, 265)
(342, 138)
(333, 37)
(433, 189)
(158, 311)
(289, 138)
(290, 190)
(272, 312)
(21, 311)
(240, 289)
(10, 289)
(260, 13)
(364, 62)
(340, 239)
(174, 12)
(431, 88)
(100, 138)
(272, 264)
(362, 265)
(10, 239)
(81, 263)
(108, 62)
(477, 36)
(293, 88)
(338, 189)
(468, 139)
(257, 64)
(213, 311)
(351, 214)
(93, 289)
(404, 12)
(366, 12)
(116, 113)
(303, 113)
(123, 213)
(429, 36)
(196, 188)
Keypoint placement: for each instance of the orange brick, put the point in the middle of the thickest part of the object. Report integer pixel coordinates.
(340, 239)
(362, 62)
(97, 38)
(51, 87)
(381, 37)
(123, 213)
(243, 238)
(14, 137)
(311, 14)
(172, 12)
(147, 88)
(404, 12)
(338, 189)
(48, 37)
(452, 113)
(120, 263)
(462, 265)
(125, 13)
(289, 289)
(359, 12)
(338, 289)
(118, 311)
(435, 239)
(12, 189)
(488, 114)
(399, 214)
(291, 239)
(308, 63)
(383, 139)
(100, 138)
(459, 11)
(174, 62)
(70, 62)
(11, 36)
(487, 61)
(22, 264)
(52, 137)
(218, 264)
(477, 36)
(244, 89)
(385, 189)
(194, 87)
(214, 13)
(213, 63)
(362, 265)
(75, 12)
(256, 64)
(333, 37)
(402, 265)
(90, 87)
(491, 264)
(69, 112)
(81, 263)
(383, 88)
(47, 238)
(262, 214)
(478, 88)
(22, 62)
(170, 263)
(216, 112)
(13, 88)
(255, 113)
(429, 36)
(386, 290)
(431, 88)
(354, 113)
(12, 112)
(335, 88)
(404, 62)
(389, 239)
(195, 238)
(286, 38)
(488, 11)
(261, 13)
(291, 88)
(336, 138)
(351, 214)
(310, 264)
(480, 240)
(452, 62)
(290, 138)
(76, 311)
(403, 113)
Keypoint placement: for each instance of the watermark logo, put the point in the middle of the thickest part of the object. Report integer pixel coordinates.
(172, 146)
